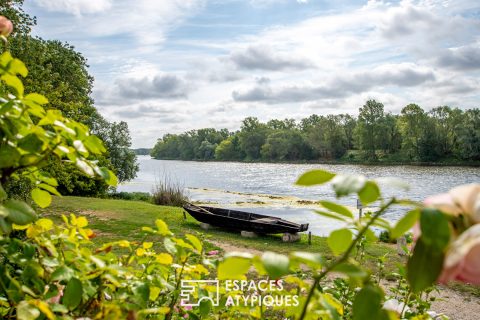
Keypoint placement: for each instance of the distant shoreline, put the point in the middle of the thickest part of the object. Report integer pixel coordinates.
(337, 162)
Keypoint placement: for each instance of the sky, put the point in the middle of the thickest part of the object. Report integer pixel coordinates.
(169, 66)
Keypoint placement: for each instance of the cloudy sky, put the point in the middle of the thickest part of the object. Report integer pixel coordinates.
(175, 65)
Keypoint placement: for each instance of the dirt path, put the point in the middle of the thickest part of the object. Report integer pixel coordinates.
(456, 305)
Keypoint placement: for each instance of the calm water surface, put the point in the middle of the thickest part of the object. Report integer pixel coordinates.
(229, 183)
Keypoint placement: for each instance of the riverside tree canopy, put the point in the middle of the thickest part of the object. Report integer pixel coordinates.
(414, 135)
(60, 73)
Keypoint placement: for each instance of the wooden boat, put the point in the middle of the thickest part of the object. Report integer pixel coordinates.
(243, 221)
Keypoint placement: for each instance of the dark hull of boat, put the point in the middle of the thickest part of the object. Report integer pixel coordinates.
(243, 221)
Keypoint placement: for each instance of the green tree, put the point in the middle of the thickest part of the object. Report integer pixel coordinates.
(252, 136)
(60, 73)
(368, 130)
(392, 142)
(284, 145)
(446, 120)
(23, 23)
(412, 124)
(118, 143)
(469, 136)
(429, 145)
(229, 149)
(348, 123)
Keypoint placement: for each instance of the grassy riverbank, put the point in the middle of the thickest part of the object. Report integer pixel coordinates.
(120, 219)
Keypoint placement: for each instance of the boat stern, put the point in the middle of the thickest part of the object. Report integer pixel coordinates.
(303, 227)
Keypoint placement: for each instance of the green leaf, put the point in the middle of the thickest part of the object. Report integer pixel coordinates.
(162, 227)
(48, 179)
(197, 244)
(405, 223)
(369, 193)
(3, 194)
(205, 306)
(37, 98)
(18, 67)
(9, 156)
(109, 177)
(339, 240)
(347, 184)
(424, 267)
(314, 177)
(3, 211)
(41, 197)
(142, 294)
(72, 295)
(31, 143)
(351, 270)
(26, 311)
(14, 82)
(62, 273)
(330, 215)
(94, 144)
(435, 229)
(170, 246)
(19, 212)
(314, 260)
(276, 265)
(50, 189)
(85, 167)
(233, 268)
(382, 223)
(5, 225)
(337, 208)
(368, 304)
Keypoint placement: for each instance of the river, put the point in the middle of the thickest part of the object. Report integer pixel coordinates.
(269, 187)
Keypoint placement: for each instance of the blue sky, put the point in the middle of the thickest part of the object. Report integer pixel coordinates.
(175, 65)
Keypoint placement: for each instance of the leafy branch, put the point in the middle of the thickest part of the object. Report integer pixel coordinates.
(344, 257)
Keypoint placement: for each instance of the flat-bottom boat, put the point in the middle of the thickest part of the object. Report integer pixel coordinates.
(243, 221)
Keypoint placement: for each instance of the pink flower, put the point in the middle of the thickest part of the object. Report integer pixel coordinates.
(462, 261)
(462, 199)
(6, 26)
(212, 253)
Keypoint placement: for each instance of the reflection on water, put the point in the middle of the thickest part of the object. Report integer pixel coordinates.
(245, 181)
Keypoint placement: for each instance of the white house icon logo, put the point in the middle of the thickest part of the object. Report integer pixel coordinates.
(190, 293)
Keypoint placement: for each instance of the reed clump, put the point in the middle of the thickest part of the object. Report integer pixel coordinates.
(168, 192)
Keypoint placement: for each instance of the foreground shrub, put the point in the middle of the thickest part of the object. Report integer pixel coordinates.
(58, 272)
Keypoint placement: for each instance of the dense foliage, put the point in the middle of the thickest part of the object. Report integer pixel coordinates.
(60, 73)
(414, 135)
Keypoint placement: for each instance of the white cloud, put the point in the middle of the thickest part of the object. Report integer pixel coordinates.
(140, 23)
(76, 7)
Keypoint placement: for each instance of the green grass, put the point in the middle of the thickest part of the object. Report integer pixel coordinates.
(121, 219)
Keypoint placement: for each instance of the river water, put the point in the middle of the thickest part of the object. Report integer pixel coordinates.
(269, 188)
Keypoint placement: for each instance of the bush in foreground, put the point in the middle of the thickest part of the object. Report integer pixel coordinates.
(167, 192)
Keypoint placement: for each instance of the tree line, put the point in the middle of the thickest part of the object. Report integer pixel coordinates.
(414, 135)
